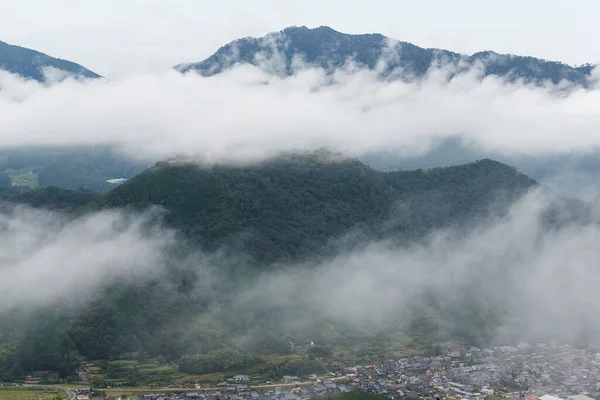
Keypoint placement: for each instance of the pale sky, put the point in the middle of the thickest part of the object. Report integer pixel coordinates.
(124, 37)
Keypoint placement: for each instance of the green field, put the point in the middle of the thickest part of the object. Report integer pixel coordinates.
(27, 176)
(14, 393)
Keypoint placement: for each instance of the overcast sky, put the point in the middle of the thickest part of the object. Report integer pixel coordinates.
(117, 38)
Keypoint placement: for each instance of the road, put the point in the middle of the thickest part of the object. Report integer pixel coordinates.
(180, 389)
(72, 396)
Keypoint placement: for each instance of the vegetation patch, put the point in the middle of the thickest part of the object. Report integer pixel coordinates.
(26, 394)
(26, 176)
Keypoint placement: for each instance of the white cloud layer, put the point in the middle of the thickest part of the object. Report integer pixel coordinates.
(245, 114)
(544, 279)
(47, 259)
(515, 263)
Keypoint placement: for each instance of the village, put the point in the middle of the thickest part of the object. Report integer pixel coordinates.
(542, 371)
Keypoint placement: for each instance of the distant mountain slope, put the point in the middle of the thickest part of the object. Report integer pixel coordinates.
(72, 175)
(291, 207)
(329, 49)
(30, 63)
(74, 167)
(51, 198)
(4, 179)
(572, 174)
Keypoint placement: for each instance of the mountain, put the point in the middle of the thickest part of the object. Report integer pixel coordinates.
(326, 48)
(286, 215)
(295, 206)
(71, 167)
(572, 174)
(30, 63)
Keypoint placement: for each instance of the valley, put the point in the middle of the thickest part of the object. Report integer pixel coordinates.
(227, 201)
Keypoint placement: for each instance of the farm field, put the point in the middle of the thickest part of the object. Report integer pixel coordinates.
(14, 393)
(27, 176)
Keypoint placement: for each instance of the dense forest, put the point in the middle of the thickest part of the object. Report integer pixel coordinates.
(297, 206)
(50, 198)
(247, 221)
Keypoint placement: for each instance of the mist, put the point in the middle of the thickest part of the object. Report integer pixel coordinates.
(50, 260)
(542, 276)
(248, 114)
(537, 273)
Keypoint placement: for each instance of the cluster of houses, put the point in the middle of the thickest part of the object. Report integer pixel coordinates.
(233, 389)
(246, 393)
(83, 393)
(524, 372)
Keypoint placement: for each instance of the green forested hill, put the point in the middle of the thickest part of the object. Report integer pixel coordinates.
(455, 195)
(281, 209)
(292, 207)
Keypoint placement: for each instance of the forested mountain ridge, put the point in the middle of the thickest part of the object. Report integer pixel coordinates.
(30, 63)
(329, 49)
(291, 207)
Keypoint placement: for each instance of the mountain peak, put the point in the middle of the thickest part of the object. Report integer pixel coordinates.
(31, 64)
(302, 28)
(326, 48)
(323, 29)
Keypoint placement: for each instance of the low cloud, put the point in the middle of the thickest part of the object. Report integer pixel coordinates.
(530, 271)
(539, 278)
(247, 114)
(47, 259)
